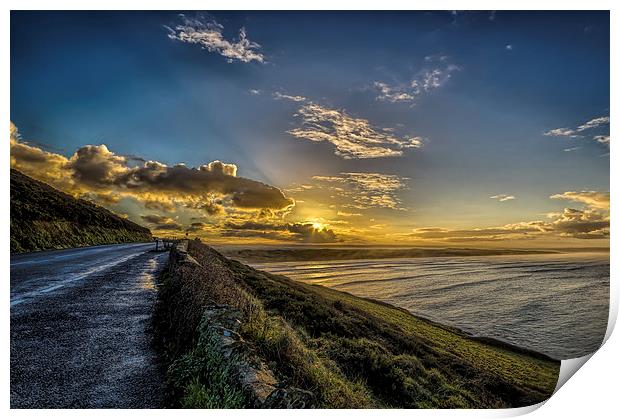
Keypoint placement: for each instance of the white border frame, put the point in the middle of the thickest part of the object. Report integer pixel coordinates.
(593, 392)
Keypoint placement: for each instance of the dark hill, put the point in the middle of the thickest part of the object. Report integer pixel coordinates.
(45, 218)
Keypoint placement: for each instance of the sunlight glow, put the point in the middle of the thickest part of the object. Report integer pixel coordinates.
(318, 226)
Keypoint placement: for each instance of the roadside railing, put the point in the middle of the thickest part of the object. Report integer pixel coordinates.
(164, 244)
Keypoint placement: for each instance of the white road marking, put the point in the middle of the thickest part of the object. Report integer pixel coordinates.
(18, 299)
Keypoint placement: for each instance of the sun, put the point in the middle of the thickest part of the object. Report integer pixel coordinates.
(318, 226)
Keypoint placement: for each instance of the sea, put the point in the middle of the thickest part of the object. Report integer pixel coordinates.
(556, 304)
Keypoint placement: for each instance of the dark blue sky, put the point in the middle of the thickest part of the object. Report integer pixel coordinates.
(117, 78)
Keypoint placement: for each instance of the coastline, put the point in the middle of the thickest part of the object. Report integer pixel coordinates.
(454, 291)
(327, 254)
(345, 350)
(453, 329)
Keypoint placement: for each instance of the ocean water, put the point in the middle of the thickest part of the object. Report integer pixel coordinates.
(556, 304)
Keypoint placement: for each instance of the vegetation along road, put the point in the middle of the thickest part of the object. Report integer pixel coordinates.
(80, 328)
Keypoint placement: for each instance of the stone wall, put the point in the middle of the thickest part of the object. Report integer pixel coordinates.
(224, 322)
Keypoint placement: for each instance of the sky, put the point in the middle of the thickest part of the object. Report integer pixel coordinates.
(414, 128)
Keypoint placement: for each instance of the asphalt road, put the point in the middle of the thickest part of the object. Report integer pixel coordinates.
(80, 328)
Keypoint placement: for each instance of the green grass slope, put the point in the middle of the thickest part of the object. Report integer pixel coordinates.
(44, 218)
(349, 351)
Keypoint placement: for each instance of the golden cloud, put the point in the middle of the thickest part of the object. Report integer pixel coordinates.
(305, 232)
(45, 166)
(95, 172)
(592, 222)
(159, 222)
(594, 199)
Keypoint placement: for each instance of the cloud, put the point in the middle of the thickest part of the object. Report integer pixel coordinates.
(593, 199)
(602, 139)
(594, 123)
(561, 132)
(207, 33)
(96, 166)
(278, 96)
(305, 232)
(582, 224)
(154, 218)
(95, 171)
(157, 203)
(196, 226)
(210, 205)
(348, 214)
(478, 234)
(365, 190)
(571, 149)
(436, 58)
(437, 77)
(503, 197)
(591, 222)
(172, 226)
(48, 167)
(255, 91)
(353, 138)
(395, 94)
(425, 81)
(158, 222)
(572, 223)
(509, 47)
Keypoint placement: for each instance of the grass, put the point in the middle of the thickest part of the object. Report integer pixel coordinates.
(349, 351)
(205, 364)
(184, 294)
(297, 364)
(525, 369)
(44, 218)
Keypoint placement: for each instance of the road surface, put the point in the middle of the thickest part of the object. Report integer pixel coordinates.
(80, 328)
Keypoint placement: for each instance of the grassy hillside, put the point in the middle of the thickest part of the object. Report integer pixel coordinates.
(44, 218)
(350, 352)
